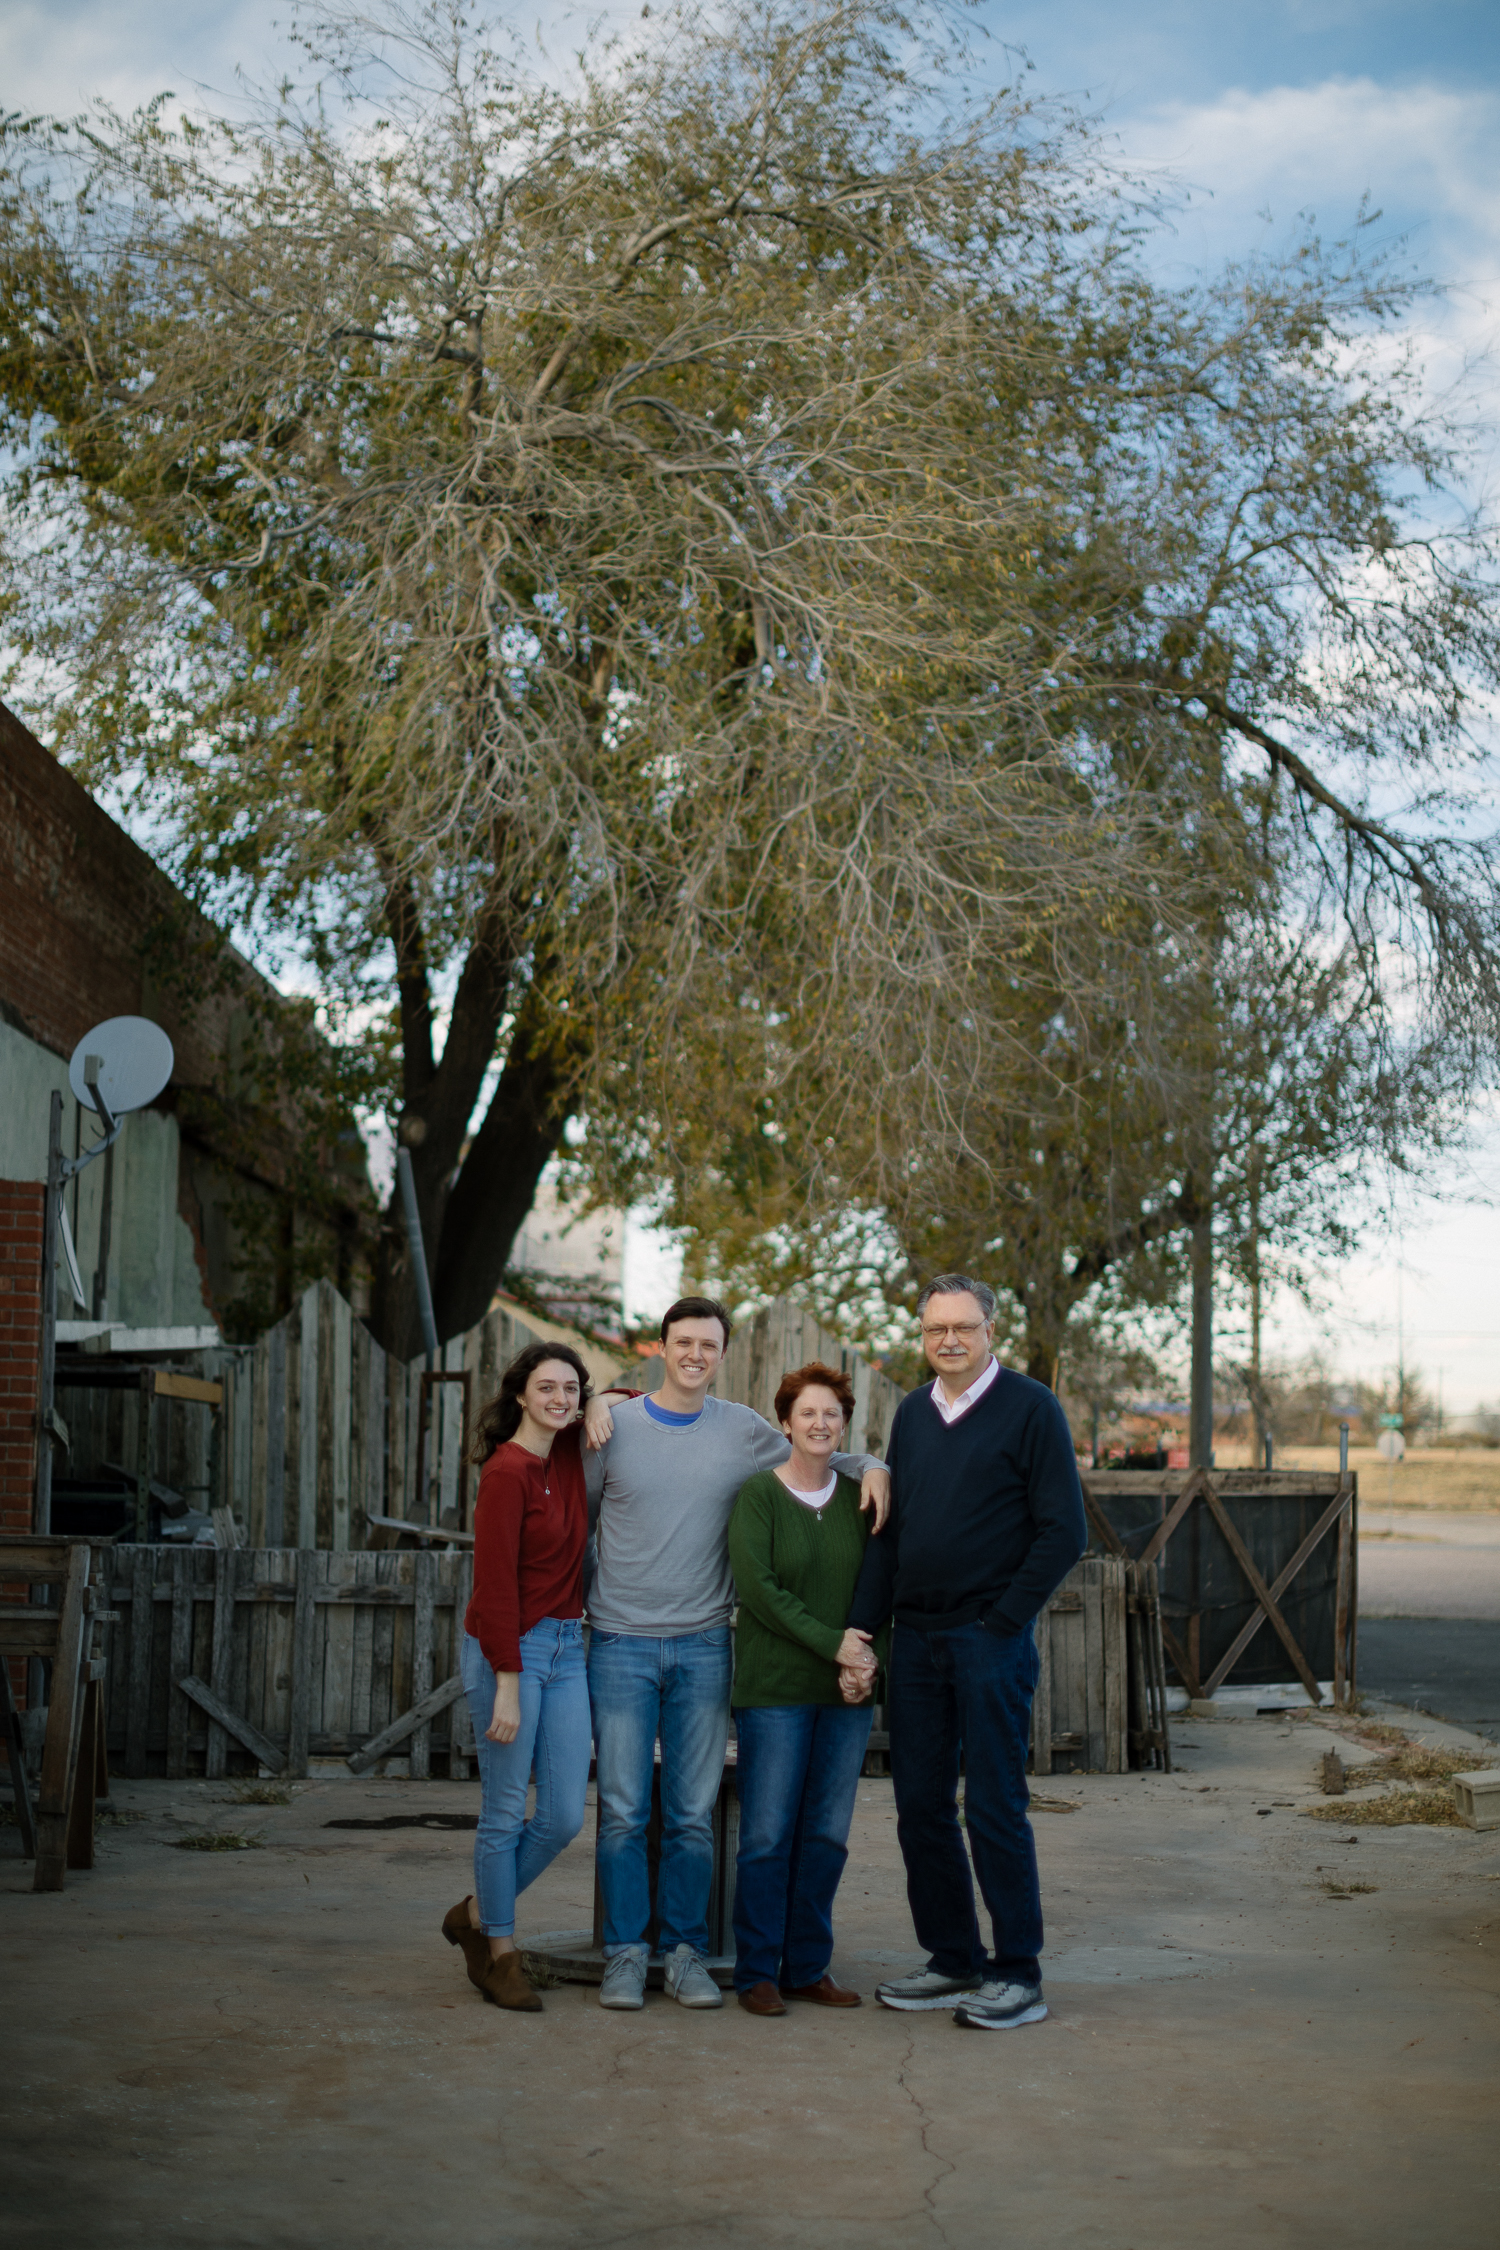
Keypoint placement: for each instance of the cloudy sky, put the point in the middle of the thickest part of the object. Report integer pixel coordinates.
(1257, 114)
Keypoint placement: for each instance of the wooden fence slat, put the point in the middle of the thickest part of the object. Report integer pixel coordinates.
(338, 1440)
(1116, 1681)
(216, 1755)
(1041, 1708)
(307, 1417)
(279, 1440)
(179, 1661)
(421, 1659)
(304, 1618)
(138, 1702)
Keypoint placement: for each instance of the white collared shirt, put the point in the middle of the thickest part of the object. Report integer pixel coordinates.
(952, 1410)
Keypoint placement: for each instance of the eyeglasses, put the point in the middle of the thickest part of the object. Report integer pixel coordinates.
(965, 1330)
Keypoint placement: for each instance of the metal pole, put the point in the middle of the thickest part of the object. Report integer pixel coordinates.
(1201, 1407)
(418, 1253)
(46, 1396)
(100, 1308)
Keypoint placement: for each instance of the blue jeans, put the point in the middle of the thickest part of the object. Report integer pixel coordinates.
(510, 1851)
(796, 1775)
(966, 1690)
(678, 1688)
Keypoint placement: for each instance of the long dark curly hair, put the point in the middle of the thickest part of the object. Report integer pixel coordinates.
(502, 1417)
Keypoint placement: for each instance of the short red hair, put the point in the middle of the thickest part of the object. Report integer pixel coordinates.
(814, 1376)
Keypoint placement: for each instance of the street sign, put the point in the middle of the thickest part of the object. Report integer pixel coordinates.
(1390, 1445)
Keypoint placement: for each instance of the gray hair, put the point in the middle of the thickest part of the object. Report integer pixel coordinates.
(958, 1284)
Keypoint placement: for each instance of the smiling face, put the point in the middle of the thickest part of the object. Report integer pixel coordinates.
(956, 1339)
(815, 1424)
(693, 1350)
(550, 1399)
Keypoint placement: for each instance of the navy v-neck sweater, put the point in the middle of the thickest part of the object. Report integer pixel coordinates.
(986, 1513)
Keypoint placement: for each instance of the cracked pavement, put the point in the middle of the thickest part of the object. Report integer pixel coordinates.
(275, 2047)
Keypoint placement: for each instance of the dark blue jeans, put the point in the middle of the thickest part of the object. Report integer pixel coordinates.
(966, 1691)
(795, 1775)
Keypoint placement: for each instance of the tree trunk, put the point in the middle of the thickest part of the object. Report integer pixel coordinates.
(1043, 1357)
(469, 1221)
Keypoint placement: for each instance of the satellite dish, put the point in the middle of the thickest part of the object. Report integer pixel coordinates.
(132, 1061)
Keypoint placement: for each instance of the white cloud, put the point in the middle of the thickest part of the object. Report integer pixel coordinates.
(1422, 154)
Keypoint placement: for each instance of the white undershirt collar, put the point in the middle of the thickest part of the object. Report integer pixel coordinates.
(953, 1409)
(817, 1501)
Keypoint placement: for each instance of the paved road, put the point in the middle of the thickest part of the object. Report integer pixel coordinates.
(1449, 1666)
(1420, 1563)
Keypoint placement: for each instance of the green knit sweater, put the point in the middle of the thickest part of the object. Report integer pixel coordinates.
(794, 1572)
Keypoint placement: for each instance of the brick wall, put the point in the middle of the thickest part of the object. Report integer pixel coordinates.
(20, 1346)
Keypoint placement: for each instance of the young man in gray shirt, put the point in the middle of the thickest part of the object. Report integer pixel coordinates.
(662, 1484)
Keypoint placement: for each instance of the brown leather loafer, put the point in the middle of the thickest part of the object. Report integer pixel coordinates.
(763, 1999)
(505, 1983)
(459, 1930)
(825, 1992)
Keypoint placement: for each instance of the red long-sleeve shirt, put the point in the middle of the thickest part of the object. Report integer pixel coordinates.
(531, 1523)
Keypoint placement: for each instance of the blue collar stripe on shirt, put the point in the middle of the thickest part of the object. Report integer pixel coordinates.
(672, 1421)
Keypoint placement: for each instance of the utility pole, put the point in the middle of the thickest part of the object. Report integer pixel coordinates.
(1258, 1418)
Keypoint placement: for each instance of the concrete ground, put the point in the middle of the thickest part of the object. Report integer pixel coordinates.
(251, 2049)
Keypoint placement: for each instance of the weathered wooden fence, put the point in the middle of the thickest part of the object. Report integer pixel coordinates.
(323, 1432)
(287, 1657)
(782, 1337)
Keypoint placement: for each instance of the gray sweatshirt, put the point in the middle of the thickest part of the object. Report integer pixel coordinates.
(661, 1499)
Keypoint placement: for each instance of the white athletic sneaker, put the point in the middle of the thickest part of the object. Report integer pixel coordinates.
(929, 1988)
(688, 1981)
(1000, 2007)
(624, 1983)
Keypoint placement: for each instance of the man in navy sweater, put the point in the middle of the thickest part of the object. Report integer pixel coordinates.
(986, 1521)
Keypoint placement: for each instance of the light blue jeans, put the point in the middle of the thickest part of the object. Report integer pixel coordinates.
(676, 1687)
(510, 1851)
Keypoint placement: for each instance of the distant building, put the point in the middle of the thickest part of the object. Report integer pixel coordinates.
(571, 1266)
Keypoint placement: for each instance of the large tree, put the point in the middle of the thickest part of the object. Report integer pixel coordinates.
(596, 568)
(1267, 611)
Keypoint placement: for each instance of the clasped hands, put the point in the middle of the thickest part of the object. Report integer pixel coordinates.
(857, 1667)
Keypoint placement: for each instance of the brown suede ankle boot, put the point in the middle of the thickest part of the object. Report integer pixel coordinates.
(459, 1930)
(505, 1983)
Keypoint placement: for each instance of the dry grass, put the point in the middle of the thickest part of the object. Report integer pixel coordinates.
(259, 1793)
(1347, 1890)
(1397, 1808)
(1467, 1479)
(1416, 1764)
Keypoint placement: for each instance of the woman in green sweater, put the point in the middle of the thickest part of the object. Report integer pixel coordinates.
(796, 1541)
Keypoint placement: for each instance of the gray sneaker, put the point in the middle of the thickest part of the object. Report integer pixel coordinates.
(1000, 2007)
(687, 1980)
(929, 1988)
(624, 1983)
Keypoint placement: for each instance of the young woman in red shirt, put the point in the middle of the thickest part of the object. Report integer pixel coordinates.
(523, 1661)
